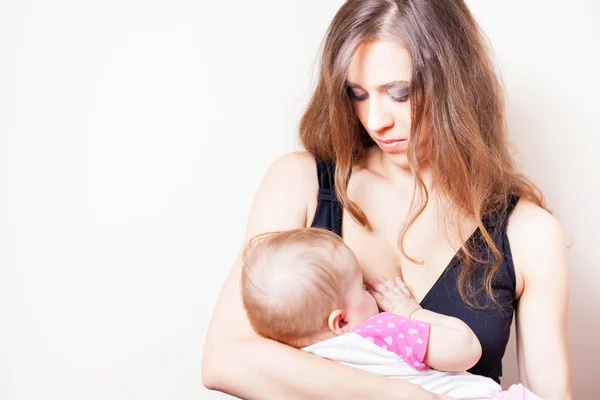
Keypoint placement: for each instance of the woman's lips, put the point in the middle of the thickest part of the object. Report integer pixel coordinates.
(391, 145)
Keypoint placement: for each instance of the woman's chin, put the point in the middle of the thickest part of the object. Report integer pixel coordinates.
(398, 159)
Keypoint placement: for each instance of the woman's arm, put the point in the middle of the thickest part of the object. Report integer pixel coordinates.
(539, 255)
(239, 362)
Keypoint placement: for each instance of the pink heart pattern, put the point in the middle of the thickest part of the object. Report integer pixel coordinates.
(405, 337)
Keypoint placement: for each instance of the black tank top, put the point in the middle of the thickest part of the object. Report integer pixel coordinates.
(491, 324)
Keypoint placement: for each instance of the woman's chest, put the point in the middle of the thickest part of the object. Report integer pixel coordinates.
(430, 244)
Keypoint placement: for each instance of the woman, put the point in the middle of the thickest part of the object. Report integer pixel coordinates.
(406, 144)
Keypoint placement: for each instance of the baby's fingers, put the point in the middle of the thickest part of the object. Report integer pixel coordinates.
(400, 284)
(376, 295)
(387, 287)
(378, 287)
(383, 302)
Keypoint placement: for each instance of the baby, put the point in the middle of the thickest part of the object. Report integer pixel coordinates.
(304, 288)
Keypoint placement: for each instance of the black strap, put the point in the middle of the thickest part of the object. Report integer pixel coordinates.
(328, 214)
(326, 175)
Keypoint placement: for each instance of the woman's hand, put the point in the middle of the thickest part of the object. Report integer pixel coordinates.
(393, 296)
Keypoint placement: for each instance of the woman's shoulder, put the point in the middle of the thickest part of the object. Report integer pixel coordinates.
(286, 196)
(295, 165)
(293, 174)
(529, 223)
(536, 240)
(289, 189)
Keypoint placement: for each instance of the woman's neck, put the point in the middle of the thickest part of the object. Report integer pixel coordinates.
(402, 179)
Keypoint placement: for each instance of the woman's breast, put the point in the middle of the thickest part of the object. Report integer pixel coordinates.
(375, 257)
(379, 255)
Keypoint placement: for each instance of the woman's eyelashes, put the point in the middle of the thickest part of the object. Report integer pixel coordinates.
(398, 95)
(356, 94)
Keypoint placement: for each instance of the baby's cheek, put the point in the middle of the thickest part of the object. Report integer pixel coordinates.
(360, 311)
(369, 306)
(374, 306)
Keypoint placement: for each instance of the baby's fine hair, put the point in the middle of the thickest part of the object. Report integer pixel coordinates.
(292, 280)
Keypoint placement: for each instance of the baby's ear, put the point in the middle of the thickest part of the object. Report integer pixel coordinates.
(337, 322)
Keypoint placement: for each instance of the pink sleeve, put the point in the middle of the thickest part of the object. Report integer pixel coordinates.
(406, 337)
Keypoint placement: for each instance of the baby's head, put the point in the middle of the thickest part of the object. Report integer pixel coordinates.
(302, 286)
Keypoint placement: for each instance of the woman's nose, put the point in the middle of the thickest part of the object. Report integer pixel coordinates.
(378, 118)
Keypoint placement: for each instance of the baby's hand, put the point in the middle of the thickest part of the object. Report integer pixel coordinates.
(393, 296)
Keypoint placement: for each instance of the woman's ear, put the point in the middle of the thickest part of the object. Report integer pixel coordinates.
(337, 322)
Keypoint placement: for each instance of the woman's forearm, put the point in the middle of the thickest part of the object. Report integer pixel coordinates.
(263, 369)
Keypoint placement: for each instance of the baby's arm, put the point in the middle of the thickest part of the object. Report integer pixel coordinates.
(452, 345)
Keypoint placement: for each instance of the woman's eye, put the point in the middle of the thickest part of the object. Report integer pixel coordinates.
(356, 94)
(398, 95)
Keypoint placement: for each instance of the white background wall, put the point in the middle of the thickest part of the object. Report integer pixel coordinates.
(133, 135)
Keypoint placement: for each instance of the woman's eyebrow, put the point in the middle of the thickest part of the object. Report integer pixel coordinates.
(382, 86)
(394, 84)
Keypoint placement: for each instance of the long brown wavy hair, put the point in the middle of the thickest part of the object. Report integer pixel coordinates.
(457, 112)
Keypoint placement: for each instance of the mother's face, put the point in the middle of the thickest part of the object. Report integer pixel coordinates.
(378, 84)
